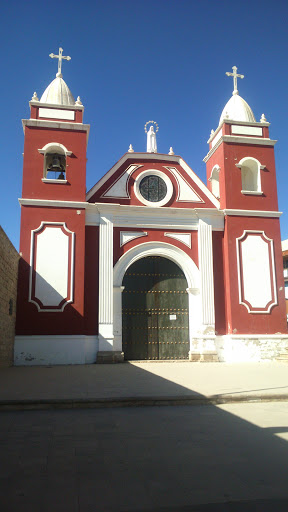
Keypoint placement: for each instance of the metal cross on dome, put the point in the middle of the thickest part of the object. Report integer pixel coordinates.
(60, 57)
(235, 76)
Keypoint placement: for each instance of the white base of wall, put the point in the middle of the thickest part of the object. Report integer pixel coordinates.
(50, 350)
(53, 350)
(241, 348)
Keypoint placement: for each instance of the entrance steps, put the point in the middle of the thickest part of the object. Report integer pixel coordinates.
(283, 358)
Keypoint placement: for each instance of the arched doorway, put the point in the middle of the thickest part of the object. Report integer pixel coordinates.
(155, 316)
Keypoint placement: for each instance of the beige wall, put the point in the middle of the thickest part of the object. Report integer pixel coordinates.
(9, 259)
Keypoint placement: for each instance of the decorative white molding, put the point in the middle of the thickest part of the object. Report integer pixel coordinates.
(105, 317)
(252, 213)
(185, 238)
(160, 174)
(158, 157)
(216, 138)
(246, 130)
(119, 188)
(50, 288)
(55, 147)
(55, 105)
(252, 192)
(53, 113)
(58, 125)
(165, 250)
(127, 236)
(141, 217)
(60, 182)
(255, 263)
(52, 202)
(234, 139)
(214, 178)
(205, 252)
(185, 192)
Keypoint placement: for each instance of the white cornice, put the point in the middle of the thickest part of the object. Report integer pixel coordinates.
(252, 213)
(52, 202)
(60, 125)
(235, 139)
(240, 123)
(162, 158)
(55, 105)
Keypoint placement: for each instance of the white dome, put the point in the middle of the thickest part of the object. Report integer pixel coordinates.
(237, 109)
(58, 93)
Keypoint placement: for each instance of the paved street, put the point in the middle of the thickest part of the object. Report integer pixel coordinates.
(230, 458)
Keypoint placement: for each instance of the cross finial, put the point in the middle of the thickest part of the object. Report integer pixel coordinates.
(235, 76)
(60, 57)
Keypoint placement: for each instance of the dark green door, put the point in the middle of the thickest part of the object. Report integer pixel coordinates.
(155, 310)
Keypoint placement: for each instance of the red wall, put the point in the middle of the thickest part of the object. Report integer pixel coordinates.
(29, 320)
(239, 320)
(33, 165)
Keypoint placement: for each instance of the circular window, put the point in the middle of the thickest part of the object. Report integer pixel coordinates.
(153, 188)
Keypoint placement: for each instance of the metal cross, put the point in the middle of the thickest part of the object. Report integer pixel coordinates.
(235, 76)
(60, 57)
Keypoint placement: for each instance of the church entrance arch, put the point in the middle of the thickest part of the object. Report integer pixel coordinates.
(155, 310)
(157, 258)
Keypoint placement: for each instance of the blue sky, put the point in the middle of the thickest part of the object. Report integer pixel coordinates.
(133, 61)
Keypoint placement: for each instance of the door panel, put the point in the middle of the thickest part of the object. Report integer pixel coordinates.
(155, 310)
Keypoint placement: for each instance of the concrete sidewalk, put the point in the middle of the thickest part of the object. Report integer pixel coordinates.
(141, 383)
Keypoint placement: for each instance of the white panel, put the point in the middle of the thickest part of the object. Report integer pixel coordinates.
(127, 236)
(53, 113)
(119, 188)
(256, 271)
(205, 251)
(185, 238)
(246, 130)
(215, 140)
(51, 285)
(185, 191)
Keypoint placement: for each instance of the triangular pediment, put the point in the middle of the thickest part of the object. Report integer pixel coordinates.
(122, 184)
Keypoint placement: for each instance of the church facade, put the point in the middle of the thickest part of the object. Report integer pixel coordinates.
(150, 263)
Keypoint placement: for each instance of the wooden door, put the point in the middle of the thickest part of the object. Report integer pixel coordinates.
(155, 310)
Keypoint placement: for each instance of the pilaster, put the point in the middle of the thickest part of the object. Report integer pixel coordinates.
(106, 283)
(205, 253)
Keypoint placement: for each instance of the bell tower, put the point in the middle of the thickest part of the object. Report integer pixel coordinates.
(52, 236)
(241, 173)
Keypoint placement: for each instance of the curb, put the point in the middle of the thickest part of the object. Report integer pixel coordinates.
(97, 403)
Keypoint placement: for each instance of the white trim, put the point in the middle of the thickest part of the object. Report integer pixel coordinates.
(47, 180)
(158, 157)
(69, 300)
(205, 256)
(179, 178)
(132, 235)
(252, 192)
(252, 213)
(178, 236)
(160, 174)
(52, 145)
(272, 270)
(56, 113)
(60, 125)
(176, 255)
(239, 140)
(55, 105)
(124, 178)
(52, 202)
(230, 121)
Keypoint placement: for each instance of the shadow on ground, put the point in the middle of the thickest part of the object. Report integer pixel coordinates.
(201, 458)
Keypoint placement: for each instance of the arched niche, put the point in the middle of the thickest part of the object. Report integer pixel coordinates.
(250, 175)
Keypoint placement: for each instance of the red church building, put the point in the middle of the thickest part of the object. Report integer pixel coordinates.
(150, 263)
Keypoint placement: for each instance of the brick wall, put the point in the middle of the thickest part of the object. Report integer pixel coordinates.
(9, 259)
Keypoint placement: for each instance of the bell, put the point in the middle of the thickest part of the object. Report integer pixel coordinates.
(56, 164)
